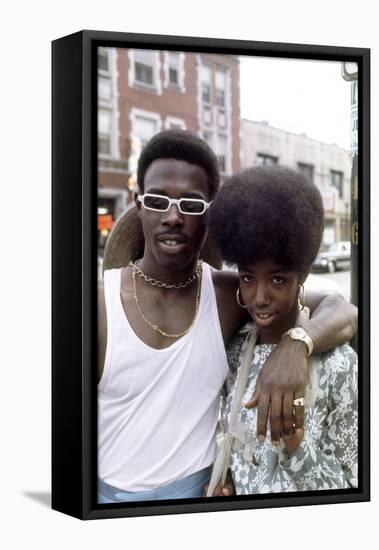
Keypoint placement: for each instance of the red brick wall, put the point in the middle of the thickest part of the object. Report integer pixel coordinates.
(169, 103)
(112, 179)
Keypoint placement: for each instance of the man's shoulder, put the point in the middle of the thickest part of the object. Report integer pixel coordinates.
(231, 316)
(225, 280)
(111, 271)
(225, 284)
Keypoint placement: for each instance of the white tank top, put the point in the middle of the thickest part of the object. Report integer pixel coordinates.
(158, 409)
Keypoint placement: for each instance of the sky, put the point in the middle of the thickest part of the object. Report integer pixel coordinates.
(299, 96)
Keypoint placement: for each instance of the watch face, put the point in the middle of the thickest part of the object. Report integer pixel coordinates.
(298, 332)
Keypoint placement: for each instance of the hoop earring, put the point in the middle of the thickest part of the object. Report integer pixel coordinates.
(238, 298)
(301, 296)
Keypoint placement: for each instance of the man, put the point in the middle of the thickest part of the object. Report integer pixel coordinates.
(163, 323)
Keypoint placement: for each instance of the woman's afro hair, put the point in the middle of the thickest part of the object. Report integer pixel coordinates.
(268, 213)
(180, 145)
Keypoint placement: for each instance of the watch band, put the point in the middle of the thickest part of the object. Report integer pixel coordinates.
(298, 333)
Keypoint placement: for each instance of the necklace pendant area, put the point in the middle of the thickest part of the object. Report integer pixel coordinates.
(153, 326)
(161, 284)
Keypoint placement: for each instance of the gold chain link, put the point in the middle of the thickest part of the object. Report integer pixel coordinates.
(161, 284)
(154, 326)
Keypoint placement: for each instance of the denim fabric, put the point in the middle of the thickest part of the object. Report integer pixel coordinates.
(189, 487)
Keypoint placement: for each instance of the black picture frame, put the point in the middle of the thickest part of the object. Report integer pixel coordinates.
(74, 271)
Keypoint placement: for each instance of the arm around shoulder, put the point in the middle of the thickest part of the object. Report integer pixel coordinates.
(333, 320)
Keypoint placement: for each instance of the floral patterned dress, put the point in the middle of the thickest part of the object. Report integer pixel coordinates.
(327, 458)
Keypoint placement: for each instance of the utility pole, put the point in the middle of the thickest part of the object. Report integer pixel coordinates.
(350, 74)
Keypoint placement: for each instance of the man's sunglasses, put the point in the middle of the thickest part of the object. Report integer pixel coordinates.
(161, 203)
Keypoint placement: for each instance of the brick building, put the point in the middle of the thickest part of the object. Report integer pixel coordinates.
(141, 92)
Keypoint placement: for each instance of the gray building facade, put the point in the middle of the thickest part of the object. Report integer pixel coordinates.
(327, 165)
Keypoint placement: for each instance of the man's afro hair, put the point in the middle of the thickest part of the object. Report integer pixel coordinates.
(180, 145)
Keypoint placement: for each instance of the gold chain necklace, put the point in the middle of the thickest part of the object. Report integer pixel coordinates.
(152, 325)
(161, 284)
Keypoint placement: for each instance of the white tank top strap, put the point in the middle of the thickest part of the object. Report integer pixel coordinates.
(211, 304)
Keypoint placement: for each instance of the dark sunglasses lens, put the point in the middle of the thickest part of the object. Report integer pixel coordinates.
(158, 203)
(192, 207)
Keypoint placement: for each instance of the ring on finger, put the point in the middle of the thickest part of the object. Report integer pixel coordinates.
(299, 402)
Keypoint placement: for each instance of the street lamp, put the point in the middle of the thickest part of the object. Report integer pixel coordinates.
(350, 74)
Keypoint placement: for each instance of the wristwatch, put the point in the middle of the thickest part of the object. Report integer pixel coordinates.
(298, 333)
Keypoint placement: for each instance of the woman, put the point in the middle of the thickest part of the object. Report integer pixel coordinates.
(274, 237)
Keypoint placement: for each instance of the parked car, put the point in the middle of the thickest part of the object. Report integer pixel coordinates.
(337, 256)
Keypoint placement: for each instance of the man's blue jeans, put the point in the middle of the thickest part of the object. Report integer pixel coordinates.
(189, 487)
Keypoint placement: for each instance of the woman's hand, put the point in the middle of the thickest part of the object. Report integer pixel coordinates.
(282, 379)
(293, 440)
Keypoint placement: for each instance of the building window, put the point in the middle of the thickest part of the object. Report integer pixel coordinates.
(105, 88)
(207, 116)
(174, 122)
(104, 74)
(144, 67)
(174, 71)
(102, 60)
(221, 152)
(266, 160)
(337, 181)
(208, 138)
(215, 109)
(206, 84)
(104, 132)
(144, 129)
(173, 68)
(220, 86)
(145, 125)
(173, 77)
(306, 169)
(144, 70)
(174, 126)
(221, 119)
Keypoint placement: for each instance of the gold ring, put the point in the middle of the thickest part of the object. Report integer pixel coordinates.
(299, 402)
